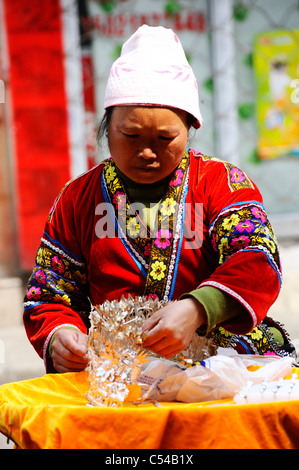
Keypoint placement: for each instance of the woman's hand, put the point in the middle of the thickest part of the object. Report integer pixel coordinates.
(170, 330)
(69, 350)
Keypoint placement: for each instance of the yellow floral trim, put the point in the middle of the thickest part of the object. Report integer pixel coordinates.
(110, 174)
(168, 206)
(153, 254)
(158, 270)
(133, 227)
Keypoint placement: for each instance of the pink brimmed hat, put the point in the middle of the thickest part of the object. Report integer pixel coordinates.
(153, 70)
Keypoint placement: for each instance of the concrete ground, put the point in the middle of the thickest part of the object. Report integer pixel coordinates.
(19, 361)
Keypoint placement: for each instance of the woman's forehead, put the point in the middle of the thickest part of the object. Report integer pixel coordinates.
(138, 115)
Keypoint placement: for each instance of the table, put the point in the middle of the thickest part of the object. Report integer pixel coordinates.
(50, 412)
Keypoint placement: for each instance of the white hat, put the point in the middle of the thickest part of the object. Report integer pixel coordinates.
(153, 70)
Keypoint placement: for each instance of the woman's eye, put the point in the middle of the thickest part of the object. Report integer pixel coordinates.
(130, 136)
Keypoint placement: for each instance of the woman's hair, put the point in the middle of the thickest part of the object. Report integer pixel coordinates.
(105, 121)
(104, 124)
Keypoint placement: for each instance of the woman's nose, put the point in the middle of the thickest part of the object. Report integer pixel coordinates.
(147, 153)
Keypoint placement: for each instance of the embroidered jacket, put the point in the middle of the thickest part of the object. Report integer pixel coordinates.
(212, 230)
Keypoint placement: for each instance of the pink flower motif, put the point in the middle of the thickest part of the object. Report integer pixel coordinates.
(57, 265)
(258, 214)
(176, 72)
(177, 179)
(120, 67)
(34, 293)
(147, 249)
(119, 199)
(270, 353)
(237, 175)
(240, 242)
(214, 242)
(40, 276)
(152, 296)
(245, 226)
(163, 238)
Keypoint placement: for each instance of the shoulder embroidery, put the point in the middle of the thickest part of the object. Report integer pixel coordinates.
(237, 179)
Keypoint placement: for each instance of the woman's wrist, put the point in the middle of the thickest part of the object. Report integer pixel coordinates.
(200, 316)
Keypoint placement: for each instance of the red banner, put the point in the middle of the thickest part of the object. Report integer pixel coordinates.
(39, 115)
(117, 24)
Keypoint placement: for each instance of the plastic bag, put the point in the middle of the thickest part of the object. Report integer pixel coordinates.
(215, 378)
(279, 390)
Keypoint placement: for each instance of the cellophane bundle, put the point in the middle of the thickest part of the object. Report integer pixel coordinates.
(115, 348)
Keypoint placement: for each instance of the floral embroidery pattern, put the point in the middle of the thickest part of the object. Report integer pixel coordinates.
(163, 238)
(110, 174)
(237, 179)
(237, 176)
(168, 206)
(56, 279)
(158, 270)
(119, 199)
(259, 341)
(153, 250)
(244, 228)
(34, 293)
(177, 179)
(133, 227)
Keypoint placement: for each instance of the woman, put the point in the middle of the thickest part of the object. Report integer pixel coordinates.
(155, 219)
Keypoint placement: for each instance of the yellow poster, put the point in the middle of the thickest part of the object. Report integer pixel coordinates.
(276, 68)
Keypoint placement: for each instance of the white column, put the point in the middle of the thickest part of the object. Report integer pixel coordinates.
(74, 86)
(224, 80)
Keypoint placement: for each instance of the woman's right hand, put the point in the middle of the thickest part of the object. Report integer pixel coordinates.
(69, 350)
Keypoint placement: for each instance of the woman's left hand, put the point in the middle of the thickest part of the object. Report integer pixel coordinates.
(170, 330)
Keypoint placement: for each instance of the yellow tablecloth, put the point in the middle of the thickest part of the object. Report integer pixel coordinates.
(50, 412)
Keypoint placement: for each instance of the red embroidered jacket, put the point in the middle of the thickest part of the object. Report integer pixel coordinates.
(234, 250)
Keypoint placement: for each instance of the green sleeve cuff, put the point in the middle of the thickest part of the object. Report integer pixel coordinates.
(53, 337)
(218, 305)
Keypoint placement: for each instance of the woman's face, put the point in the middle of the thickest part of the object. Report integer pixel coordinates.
(147, 143)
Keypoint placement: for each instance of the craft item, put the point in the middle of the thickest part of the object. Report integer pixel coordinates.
(116, 353)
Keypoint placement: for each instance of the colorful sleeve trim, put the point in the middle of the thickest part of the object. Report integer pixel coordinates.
(244, 227)
(50, 335)
(57, 278)
(57, 246)
(241, 205)
(234, 294)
